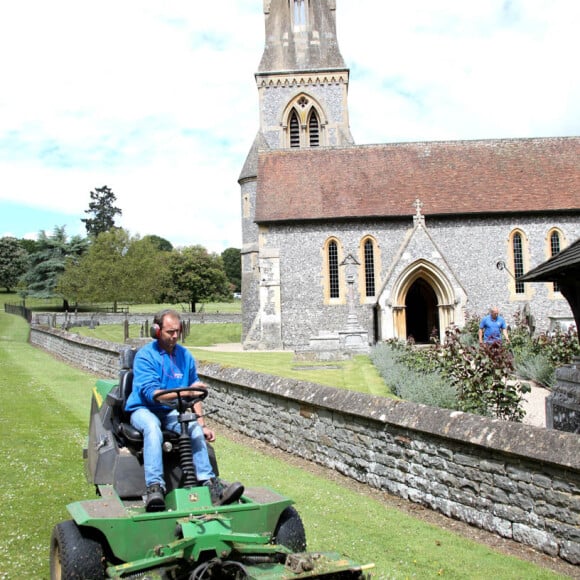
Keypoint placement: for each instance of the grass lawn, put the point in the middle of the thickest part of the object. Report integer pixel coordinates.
(43, 422)
(356, 374)
(55, 305)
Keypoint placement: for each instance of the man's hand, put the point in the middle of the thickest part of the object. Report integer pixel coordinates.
(208, 434)
(193, 386)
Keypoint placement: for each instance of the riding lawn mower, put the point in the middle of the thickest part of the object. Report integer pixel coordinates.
(261, 536)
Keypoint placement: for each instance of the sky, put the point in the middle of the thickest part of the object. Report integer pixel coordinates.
(157, 100)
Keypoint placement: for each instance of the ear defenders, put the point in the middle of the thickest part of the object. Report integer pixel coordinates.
(155, 329)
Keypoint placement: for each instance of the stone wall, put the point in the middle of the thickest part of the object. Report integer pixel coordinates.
(59, 319)
(94, 355)
(518, 481)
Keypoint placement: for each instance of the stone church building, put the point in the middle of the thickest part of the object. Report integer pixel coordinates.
(345, 245)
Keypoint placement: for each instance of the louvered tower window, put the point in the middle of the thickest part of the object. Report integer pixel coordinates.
(299, 12)
(333, 270)
(369, 268)
(518, 256)
(554, 250)
(314, 130)
(294, 130)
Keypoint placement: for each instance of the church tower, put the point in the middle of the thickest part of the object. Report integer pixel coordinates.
(302, 86)
(302, 79)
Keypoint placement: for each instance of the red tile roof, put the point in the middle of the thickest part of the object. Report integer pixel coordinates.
(450, 178)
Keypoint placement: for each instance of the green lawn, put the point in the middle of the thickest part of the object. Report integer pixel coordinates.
(356, 374)
(55, 305)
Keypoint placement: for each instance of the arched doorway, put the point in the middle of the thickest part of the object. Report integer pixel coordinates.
(421, 312)
(421, 298)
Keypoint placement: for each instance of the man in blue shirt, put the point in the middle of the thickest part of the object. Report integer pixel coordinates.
(492, 328)
(164, 364)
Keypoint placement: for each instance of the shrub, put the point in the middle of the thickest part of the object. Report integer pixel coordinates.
(412, 376)
(455, 375)
(535, 367)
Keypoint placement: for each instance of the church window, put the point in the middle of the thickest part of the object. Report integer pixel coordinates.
(294, 129)
(369, 263)
(555, 248)
(303, 123)
(299, 12)
(518, 258)
(314, 129)
(333, 279)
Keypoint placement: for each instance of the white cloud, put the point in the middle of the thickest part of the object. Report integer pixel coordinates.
(158, 100)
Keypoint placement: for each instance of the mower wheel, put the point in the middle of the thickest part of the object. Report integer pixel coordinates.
(74, 556)
(290, 531)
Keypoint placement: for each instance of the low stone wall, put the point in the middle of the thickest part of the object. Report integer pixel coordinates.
(60, 319)
(518, 481)
(98, 356)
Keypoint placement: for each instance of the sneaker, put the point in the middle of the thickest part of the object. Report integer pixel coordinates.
(155, 501)
(222, 494)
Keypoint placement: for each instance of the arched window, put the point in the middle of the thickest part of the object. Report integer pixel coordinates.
(299, 12)
(518, 259)
(369, 264)
(303, 123)
(294, 129)
(333, 277)
(555, 248)
(313, 129)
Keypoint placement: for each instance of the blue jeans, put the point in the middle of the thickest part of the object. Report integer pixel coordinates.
(151, 425)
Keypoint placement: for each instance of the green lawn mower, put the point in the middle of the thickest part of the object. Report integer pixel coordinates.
(260, 536)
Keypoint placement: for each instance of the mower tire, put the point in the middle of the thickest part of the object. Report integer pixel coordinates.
(74, 556)
(290, 531)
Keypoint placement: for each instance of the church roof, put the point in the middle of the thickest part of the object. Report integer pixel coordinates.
(449, 178)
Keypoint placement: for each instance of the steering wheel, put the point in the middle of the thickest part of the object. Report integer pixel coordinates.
(182, 401)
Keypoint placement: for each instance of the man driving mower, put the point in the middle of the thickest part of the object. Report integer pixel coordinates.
(162, 365)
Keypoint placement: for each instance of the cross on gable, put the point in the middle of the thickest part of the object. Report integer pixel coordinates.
(418, 205)
(418, 218)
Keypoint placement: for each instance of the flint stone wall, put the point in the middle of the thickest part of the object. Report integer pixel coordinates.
(518, 481)
(60, 319)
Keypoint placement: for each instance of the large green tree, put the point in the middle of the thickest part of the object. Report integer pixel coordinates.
(13, 262)
(159, 242)
(117, 268)
(103, 210)
(233, 267)
(48, 263)
(195, 276)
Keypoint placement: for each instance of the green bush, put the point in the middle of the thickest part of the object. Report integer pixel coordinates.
(412, 377)
(455, 375)
(460, 374)
(535, 367)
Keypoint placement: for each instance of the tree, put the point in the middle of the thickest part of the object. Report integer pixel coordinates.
(233, 267)
(196, 276)
(161, 243)
(30, 246)
(117, 268)
(13, 262)
(48, 263)
(103, 211)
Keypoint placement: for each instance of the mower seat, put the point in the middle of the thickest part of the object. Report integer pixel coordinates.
(124, 429)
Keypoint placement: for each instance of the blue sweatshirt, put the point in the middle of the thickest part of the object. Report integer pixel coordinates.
(153, 369)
